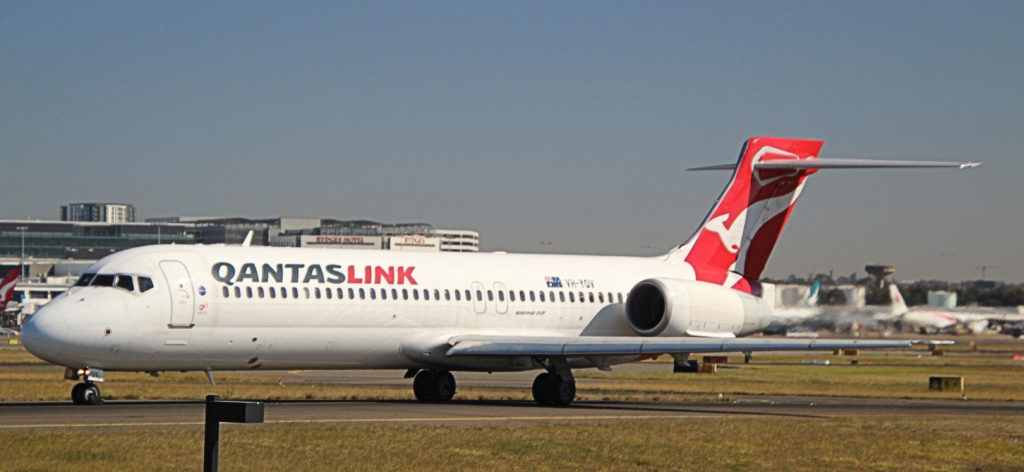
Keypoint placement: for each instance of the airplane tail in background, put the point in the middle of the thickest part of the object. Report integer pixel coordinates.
(732, 245)
(812, 296)
(7, 287)
(899, 306)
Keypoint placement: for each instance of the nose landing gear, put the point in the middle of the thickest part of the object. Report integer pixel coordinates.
(87, 392)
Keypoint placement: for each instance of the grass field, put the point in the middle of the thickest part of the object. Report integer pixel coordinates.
(703, 444)
(727, 443)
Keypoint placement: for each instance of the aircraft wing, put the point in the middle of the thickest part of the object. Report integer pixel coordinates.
(582, 346)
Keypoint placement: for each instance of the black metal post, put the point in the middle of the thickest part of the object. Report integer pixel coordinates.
(211, 441)
(232, 412)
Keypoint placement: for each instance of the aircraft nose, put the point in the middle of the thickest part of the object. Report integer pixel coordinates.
(44, 333)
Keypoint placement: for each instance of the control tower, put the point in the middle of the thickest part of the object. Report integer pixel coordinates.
(880, 271)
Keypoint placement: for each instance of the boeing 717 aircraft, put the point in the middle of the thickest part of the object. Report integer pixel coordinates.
(219, 308)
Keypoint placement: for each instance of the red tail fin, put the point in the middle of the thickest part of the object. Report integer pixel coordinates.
(7, 287)
(732, 246)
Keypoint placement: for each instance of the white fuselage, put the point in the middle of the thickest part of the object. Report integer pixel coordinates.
(230, 307)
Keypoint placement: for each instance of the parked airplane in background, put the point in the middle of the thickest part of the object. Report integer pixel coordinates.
(929, 319)
(7, 287)
(212, 308)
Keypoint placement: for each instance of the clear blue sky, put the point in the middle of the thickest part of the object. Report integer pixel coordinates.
(562, 122)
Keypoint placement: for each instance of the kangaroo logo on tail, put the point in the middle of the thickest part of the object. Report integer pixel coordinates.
(733, 244)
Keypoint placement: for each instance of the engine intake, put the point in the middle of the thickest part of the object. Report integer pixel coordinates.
(672, 307)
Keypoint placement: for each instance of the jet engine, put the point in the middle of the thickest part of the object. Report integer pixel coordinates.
(673, 307)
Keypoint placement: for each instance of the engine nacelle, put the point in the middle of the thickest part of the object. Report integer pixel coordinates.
(672, 307)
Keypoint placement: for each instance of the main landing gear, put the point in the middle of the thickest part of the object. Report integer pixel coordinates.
(551, 389)
(86, 393)
(434, 386)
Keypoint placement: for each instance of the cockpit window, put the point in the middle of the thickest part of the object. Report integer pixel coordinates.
(145, 283)
(84, 280)
(103, 280)
(125, 282)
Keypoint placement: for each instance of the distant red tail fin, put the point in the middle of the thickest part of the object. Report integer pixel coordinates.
(732, 246)
(7, 287)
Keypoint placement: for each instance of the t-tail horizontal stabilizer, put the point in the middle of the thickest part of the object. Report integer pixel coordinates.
(836, 163)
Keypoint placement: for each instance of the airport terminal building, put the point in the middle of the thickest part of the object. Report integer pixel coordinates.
(38, 240)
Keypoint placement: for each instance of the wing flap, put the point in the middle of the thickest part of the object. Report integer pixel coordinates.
(559, 346)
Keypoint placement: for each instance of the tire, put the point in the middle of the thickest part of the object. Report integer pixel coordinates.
(564, 391)
(76, 394)
(424, 385)
(444, 386)
(91, 394)
(542, 389)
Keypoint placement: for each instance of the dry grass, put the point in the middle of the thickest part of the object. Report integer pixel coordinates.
(737, 444)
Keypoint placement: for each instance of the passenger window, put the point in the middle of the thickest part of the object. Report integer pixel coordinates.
(259, 291)
(316, 292)
(561, 296)
(273, 292)
(415, 294)
(362, 294)
(590, 296)
(458, 296)
(383, 294)
(341, 293)
(226, 292)
(327, 292)
(426, 294)
(511, 295)
(238, 292)
(467, 295)
(479, 296)
(295, 292)
(84, 280)
(437, 294)
(447, 295)
(103, 281)
(284, 292)
(394, 294)
(351, 294)
(600, 297)
(522, 296)
(145, 283)
(620, 297)
(541, 296)
(405, 294)
(572, 297)
(306, 291)
(501, 295)
(490, 295)
(248, 292)
(532, 297)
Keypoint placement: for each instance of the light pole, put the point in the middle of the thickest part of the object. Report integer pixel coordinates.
(949, 276)
(21, 263)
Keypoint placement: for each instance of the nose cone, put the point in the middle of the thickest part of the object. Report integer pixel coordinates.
(45, 333)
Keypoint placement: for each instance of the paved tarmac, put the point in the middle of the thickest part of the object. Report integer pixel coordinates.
(155, 414)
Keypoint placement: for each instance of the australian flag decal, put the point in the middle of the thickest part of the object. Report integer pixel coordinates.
(553, 282)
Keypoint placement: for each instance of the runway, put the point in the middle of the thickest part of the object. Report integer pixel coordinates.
(137, 414)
